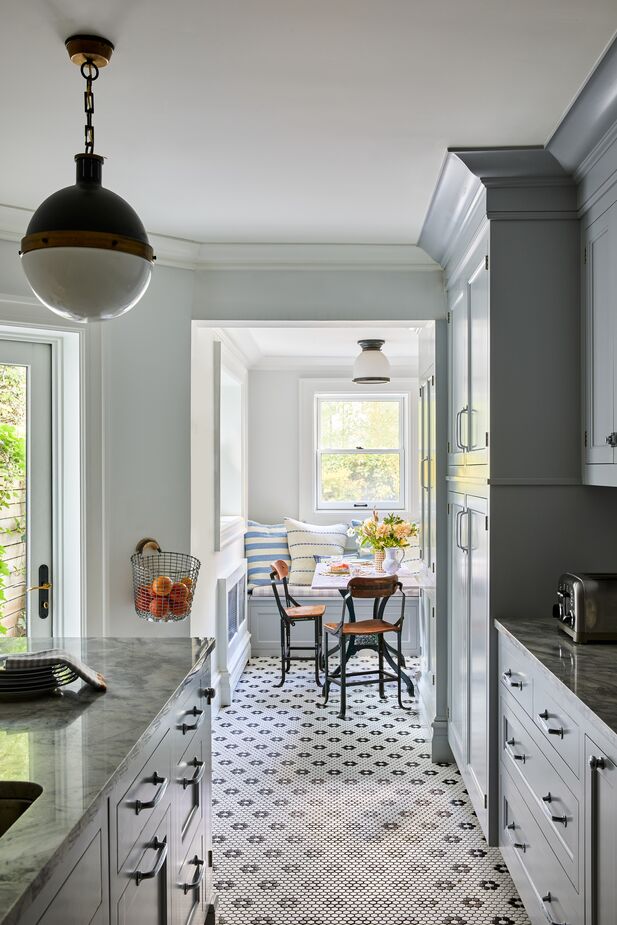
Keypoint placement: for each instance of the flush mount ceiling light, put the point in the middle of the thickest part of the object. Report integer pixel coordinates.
(86, 253)
(371, 365)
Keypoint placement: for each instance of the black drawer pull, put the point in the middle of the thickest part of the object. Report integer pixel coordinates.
(522, 758)
(201, 870)
(162, 783)
(548, 899)
(189, 727)
(511, 825)
(521, 846)
(510, 741)
(556, 732)
(197, 776)
(562, 819)
(596, 764)
(548, 798)
(543, 715)
(161, 847)
(209, 693)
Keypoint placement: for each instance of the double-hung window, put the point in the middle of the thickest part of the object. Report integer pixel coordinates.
(360, 451)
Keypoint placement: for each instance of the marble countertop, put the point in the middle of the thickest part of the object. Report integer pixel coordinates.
(74, 743)
(589, 671)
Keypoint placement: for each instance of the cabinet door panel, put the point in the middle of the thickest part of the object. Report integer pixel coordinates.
(477, 545)
(600, 340)
(458, 610)
(601, 836)
(476, 420)
(425, 489)
(432, 476)
(459, 374)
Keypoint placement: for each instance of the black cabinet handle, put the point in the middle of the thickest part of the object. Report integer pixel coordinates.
(162, 783)
(543, 715)
(521, 846)
(197, 776)
(189, 727)
(201, 871)
(548, 798)
(508, 676)
(511, 743)
(209, 693)
(562, 819)
(552, 732)
(162, 848)
(549, 918)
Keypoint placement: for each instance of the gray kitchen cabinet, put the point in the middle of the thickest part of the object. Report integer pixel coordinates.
(601, 832)
(468, 316)
(600, 338)
(469, 643)
(146, 897)
(78, 892)
(428, 487)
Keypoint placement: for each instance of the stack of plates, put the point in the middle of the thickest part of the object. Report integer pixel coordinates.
(21, 683)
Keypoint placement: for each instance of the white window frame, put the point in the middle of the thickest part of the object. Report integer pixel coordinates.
(311, 390)
(228, 529)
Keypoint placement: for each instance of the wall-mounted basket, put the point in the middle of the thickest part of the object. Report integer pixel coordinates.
(164, 583)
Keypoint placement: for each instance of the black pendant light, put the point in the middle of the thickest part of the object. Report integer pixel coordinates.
(86, 253)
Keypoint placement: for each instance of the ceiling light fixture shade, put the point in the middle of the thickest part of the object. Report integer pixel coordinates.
(86, 254)
(371, 366)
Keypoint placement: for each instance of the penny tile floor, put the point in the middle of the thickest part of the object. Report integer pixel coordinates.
(321, 821)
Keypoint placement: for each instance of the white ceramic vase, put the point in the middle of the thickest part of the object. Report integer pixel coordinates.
(393, 560)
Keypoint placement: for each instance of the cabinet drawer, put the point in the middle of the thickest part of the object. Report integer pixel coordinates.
(190, 715)
(557, 726)
(516, 674)
(146, 877)
(556, 808)
(141, 799)
(188, 790)
(522, 842)
(190, 885)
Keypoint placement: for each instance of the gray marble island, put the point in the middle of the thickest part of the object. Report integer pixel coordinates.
(557, 768)
(120, 831)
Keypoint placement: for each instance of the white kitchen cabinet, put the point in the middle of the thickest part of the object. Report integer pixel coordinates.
(600, 307)
(468, 317)
(469, 634)
(428, 493)
(428, 651)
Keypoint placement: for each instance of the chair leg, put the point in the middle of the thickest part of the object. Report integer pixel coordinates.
(288, 652)
(342, 648)
(317, 622)
(326, 683)
(283, 662)
(380, 649)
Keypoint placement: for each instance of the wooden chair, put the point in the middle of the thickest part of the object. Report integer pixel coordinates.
(380, 590)
(290, 612)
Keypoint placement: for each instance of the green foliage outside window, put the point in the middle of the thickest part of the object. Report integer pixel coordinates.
(12, 463)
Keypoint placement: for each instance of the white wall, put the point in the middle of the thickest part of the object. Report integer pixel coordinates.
(273, 440)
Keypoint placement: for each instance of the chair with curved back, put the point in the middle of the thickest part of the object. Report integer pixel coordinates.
(380, 590)
(290, 612)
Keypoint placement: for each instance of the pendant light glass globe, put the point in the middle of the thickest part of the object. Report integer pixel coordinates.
(371, 366)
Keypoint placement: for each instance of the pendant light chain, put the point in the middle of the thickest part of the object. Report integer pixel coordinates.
(90, 72)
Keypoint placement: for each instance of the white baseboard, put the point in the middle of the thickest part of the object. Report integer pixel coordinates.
(228, 679)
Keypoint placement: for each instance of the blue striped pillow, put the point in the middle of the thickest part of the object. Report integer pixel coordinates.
(263, 543)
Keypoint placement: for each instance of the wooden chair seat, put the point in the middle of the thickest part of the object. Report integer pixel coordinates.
(364, 628)
(308, 612)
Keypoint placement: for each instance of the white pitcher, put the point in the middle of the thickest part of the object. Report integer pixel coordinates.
(393, 560)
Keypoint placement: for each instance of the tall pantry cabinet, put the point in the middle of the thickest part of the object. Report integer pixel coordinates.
(503, 224)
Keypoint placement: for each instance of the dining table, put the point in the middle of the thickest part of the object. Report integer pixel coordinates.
(324, 579)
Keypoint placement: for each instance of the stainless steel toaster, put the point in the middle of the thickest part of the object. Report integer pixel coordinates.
(587, 606)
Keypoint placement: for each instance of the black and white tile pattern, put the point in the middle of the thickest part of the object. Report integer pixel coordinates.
(321, 821)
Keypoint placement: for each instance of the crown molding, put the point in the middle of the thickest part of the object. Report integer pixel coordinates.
(590, 116)
(408, 365)
(193, 255)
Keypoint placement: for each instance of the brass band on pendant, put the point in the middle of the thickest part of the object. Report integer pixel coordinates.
(102, 240)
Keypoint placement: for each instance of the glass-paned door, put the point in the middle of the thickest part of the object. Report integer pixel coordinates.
(25, 489)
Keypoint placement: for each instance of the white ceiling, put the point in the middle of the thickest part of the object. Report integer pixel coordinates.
(321, 345)
(286, 120)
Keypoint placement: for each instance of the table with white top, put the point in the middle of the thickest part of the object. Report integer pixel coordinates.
(323, 580)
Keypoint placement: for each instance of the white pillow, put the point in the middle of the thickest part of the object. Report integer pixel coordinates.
(309, 540)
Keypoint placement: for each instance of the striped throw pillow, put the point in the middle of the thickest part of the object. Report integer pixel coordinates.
(309, 540)
(263, 544)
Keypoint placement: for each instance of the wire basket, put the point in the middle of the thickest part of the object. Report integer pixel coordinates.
(164, 583)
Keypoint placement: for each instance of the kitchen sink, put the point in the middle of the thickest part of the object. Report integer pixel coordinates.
(15, 798)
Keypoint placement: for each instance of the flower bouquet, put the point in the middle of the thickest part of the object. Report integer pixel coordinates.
(391, 533)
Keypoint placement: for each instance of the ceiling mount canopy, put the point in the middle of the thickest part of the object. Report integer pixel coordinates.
(86, 253)
(371, 365)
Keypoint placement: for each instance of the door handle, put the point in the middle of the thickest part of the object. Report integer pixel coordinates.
(458, 428)
(44, 587)
(162, 848)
